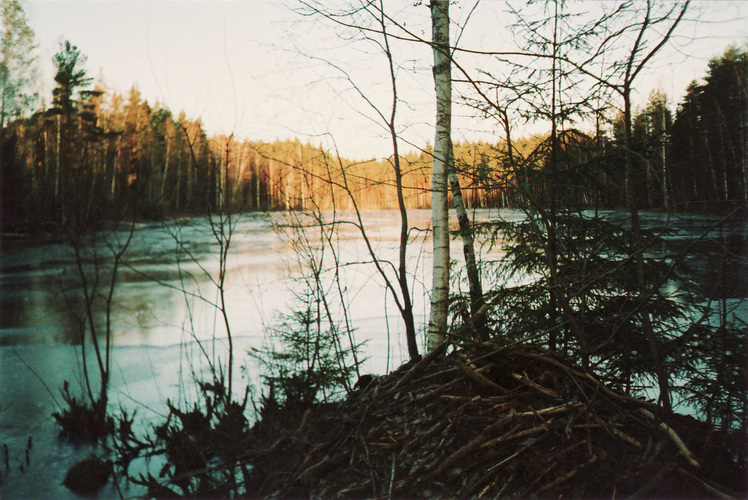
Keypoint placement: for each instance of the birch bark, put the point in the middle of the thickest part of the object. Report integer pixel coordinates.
(437, 327)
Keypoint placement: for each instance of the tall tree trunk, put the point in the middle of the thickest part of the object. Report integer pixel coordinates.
(550, 220)
(45, 175)
(188, 200)
(166, 170)
(178, 188)
(744, 153)
(288, 184)
(402, 276)
(437, 328)
(637, 250)
(58, 159)
(272, 185)
(258, 205)
(406, 306)
(632, 69)
(663, 154)
(466, 233)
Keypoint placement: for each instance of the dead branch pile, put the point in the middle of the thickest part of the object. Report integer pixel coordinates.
(490, 420)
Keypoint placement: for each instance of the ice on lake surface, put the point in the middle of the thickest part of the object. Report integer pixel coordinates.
(163, 311)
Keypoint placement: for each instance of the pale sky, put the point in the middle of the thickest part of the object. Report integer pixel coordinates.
(261, 71)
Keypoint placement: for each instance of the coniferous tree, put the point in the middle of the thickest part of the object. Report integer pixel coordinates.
(709, 139)
(67, 107)
(687, 151)
(651, 131)
(17, 62)
(17, 68)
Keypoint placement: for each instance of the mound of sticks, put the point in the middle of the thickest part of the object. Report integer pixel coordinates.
(494, 419)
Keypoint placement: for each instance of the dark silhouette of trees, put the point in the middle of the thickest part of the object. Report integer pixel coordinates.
(651, 127)
(96, 154)
(17, 65)
(708, 145)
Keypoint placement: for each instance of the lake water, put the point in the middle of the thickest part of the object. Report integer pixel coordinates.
(164, 315)
(165, 325)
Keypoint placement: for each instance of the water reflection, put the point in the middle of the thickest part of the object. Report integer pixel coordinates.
(166, 285)
(718, 267)
(33, 310)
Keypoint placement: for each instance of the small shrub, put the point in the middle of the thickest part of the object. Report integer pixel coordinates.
(202, 446)
(82, 421)
(309, 363)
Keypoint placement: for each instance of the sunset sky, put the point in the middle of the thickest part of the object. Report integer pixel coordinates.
(262, 71)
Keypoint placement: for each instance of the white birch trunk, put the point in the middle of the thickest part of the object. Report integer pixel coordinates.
(437, 328)
(166, 171)
(257, 183)
(178, 189)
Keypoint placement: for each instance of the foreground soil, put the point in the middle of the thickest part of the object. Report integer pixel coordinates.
(491, 420)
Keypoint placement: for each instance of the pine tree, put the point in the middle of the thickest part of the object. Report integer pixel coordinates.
(710, 135)
(67, 106)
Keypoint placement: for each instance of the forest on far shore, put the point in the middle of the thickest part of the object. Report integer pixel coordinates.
(96, 155)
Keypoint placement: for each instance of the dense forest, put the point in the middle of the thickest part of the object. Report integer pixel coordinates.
(596, 321)
(95, 155)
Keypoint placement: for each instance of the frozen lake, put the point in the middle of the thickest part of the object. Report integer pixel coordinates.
(164, 314)
(165, 325)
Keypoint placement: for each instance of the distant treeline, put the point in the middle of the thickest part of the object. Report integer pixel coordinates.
(95, 156)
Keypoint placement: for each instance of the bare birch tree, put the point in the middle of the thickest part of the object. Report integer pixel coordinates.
(437, 327)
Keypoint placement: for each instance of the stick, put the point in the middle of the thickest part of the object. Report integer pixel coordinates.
(537, 387)
(707, 486)
(436, 391)
(410, 374)
(690, 457)
(392, 478)
(587, 376)
(560, 480)
(476, 377)
(619, 434)
(553, 409)
(509, 435)
(433, 431)
(472, 445)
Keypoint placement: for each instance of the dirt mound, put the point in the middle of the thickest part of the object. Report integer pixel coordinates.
(492, 419)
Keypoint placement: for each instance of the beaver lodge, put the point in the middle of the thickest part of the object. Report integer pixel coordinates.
(494, 419)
